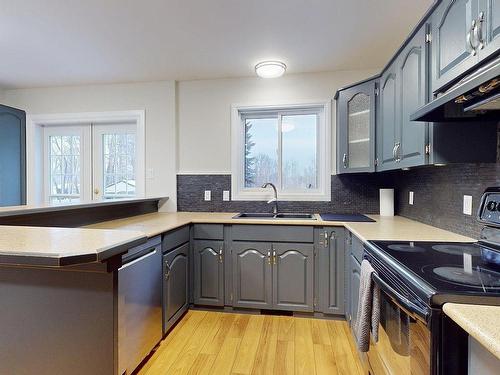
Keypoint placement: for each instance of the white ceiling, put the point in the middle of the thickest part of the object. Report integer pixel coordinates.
(66, 42)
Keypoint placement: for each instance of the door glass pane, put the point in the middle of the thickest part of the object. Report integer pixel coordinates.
(64, 168)
(261, 151)
(118, 165)
(299, 144)
(358, 137)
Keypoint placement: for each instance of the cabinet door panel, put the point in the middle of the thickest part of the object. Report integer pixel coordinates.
(386, 125)
(412, 95)
(331, 269)
(490, 27)
(293, 278)
(175, 291)
(208, 273)
(451, 52)
(356, 129)
(354, 289)
(252, 274)
(12, 156)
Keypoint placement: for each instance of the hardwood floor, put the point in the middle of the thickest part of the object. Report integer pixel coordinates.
(206, 342)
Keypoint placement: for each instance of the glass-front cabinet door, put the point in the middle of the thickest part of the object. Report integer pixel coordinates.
(356, 128)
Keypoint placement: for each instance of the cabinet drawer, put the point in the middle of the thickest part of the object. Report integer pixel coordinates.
(357, 249)
(175, 238)
(273, 233)
(208, 232)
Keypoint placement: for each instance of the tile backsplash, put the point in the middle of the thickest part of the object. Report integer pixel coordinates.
(350, 193)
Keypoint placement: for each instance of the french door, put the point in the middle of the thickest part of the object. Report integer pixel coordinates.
(90, 162)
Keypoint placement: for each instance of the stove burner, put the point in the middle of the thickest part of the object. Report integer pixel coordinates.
(406, 248)
(458, 249)
(481, 278)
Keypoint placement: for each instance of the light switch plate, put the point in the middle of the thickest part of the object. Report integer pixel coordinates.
(467, 204)
(410, 198)
(208, 195)
(225, 195)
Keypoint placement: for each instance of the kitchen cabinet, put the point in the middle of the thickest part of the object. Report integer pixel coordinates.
(175, 285)
(402, 143)
(464, 33)
(354, 280)
(293, 278)
(12, 156)
(208, 259)
(252, 279)
(354, 256)
(356, 128)
(330, 266)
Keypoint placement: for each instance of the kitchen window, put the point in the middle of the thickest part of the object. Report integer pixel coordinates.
(85, 162)
(288, 146)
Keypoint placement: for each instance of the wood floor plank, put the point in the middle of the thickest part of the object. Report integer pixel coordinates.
(266, 353)
(216, 343)
(248, 346)
(304, 353)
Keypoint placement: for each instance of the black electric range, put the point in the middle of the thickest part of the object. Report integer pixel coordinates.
(416, 278)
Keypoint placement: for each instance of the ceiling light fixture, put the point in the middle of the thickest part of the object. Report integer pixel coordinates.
(270, 69)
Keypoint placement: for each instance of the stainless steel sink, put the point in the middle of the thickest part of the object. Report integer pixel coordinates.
(284, 216)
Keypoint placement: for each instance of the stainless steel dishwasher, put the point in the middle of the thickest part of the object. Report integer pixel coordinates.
(139, 304)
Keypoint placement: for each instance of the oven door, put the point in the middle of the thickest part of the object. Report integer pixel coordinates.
(404, 341)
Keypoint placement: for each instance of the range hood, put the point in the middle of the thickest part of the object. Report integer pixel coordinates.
(475, 97)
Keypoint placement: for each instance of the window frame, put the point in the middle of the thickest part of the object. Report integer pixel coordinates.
(323, 150)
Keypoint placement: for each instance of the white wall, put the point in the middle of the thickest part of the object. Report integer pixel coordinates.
(156, 98)
(203, 111)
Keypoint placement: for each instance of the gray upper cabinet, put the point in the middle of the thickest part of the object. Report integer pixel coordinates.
(252, 262)
(331, 271)
(12, 156)
(293, 278)
(490, 32)
(411, 95)
(356, 128)
(402, 143)
(208, 272)
(176, 284)
(452, 40)
(387, 129)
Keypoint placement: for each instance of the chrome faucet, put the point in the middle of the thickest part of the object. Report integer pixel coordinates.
(275, 199)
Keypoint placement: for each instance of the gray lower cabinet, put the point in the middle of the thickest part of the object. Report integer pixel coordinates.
(175, 285)
(208, 275)
(354, 279)
(276, 276)
(293, 276)
(330, 265)
(252, 279)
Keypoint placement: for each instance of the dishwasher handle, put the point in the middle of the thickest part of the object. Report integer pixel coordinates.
(150, 254)
(417, 311)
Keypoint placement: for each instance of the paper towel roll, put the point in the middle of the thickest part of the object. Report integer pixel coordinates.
(386, 202)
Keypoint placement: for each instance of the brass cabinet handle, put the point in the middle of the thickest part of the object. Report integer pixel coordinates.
(167, 274)
(221, 259)
(274, 257)
(269, 257)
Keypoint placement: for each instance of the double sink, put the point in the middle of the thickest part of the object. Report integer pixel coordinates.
(284, 216)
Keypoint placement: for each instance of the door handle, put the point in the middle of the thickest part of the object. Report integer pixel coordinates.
(137, 260)
(394, 151)
(397, 152)
(326, 238)
(478, 31)
(221, 257)
(274, 257)
(269, 257)
(344, 160)
(469, 38)
(167, 275)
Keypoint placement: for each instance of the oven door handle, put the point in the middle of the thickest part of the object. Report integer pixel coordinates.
(401, 300)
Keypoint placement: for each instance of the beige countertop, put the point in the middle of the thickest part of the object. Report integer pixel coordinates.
(480, 321)
(385, 228)
(63, 246)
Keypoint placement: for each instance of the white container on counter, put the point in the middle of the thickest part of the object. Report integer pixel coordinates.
(386, 202)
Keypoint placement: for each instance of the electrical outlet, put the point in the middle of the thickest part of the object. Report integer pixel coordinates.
(225, 195)
(468, 204)
(208, 195)
(410, 198)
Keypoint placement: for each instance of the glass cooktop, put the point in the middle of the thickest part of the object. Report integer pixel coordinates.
(449, 268)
